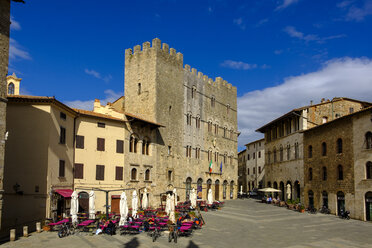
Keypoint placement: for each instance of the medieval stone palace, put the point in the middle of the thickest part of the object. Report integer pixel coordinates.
(173, 128)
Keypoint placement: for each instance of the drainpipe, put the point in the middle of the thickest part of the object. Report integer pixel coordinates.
(73, 153)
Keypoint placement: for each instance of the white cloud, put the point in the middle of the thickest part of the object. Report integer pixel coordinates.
(261, 22)
(98, 75)
(359, 13)
(239, 22)
(14, 25)
(238, 65)
(292, 32)
(110, 96)
(285, 4)
(16, 51)
(344, 77)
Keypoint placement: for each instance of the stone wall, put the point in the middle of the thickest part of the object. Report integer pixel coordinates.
(330, 133)
(4, 56)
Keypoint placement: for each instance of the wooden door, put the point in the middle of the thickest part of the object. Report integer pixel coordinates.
(115, 205)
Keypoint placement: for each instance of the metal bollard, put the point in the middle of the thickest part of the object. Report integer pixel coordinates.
(12, 234)
(25, 231)
(38, 227)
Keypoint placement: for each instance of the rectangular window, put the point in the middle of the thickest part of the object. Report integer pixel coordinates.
(254, 155)
(61, 168)
(101, 124)
(259, 154)
(118, 173)
(100, 144)
(79, 171)
(170, 175)
(100, 172)
(62, 135)
(62, 116)
(79, 141)
(119, 146)
(169, 150)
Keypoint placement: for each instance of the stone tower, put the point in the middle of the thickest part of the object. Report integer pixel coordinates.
(154, 90)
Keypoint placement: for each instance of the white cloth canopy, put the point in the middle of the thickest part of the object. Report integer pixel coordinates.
(134, 203)
(210, 197)
(241, 189)
(145, 201)
(172, 216)
(193, 198)
(92, 207)
(175, 197)
(167, 204)
(123, 209)
(74, 206)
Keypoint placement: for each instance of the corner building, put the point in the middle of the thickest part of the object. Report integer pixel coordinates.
(199, 119)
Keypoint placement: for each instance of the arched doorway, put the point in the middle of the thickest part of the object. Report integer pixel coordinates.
(296, 190)
(249, 186)
(217, 190)
(340, 202)
(232, 190)
(281, 187)
(188, 188)
(311, 198)
(325, 199)
(83, 202)
(368, 206)
(209, 186)
(275, 186)
(224, 189)
(269, 184)
(199, 188)
(290, 190)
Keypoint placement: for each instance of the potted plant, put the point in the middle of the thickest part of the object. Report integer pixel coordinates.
(302, 208)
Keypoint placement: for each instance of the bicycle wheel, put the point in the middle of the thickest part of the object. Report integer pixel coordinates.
(175, 237)
(62, 233)
(170, 237)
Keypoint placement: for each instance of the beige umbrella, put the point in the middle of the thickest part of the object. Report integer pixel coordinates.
(74, 206)
(123, 209)
(172, 216)
(145, 200)
(193, 198)
(168, 203)
(268, 190)
(134, 204)
(92, 206)
(210, 197)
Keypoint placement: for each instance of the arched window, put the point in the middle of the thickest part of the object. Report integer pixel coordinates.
(369, 170)
(197, 120)
(325, 199)
(11, 89)
(368, 140)
(288, 152)
(133, 174)
(296, 151)
(310, 174)
(133, 144)
(274, 155)
(213, 101)
(147, 175)
(209, 184)
(199, 188)
(209, 155)
(188, 188)
(269, 157)
(227, 109)
(145, 147)
(224, 189)
(139, 89)
(310, 150)
(248, 171)
(324, 149)
(281, 153)
(340, 173)
(231, 189)
(324, 173)
(210, 126)
(269, 184)
(339, 145)
(311, 198)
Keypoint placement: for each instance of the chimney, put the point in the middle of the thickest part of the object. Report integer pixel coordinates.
(323, 100)
(311, 102)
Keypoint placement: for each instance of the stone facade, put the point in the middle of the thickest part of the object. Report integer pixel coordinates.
(335, 165)
(284, 141)
(242, 179)
(198, 114)
(4, 57)
(255, 165)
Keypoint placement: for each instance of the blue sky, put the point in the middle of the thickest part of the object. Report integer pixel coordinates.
(280, 54)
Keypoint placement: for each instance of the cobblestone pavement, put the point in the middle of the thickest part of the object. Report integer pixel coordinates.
(241, 223)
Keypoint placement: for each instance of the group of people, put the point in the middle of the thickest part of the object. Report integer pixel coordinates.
(270, 199)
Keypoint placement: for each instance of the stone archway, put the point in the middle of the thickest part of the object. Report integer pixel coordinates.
(83, 202)
(368, 200)
(199, 188)
(217, 190)
(340, 202)
(224, 189)
(281, 187)
(296, 190)
(188, 188)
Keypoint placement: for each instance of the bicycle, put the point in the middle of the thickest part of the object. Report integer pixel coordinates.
(66, 229)
(172, 233)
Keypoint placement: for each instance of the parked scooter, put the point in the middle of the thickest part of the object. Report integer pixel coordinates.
(324, 210)
(344, 214)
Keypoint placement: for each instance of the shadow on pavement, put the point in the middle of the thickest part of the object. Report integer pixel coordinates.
(132, 244)
(192, 245)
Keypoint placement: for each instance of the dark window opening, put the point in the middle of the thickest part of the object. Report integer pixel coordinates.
(101, 124)
(79, 171)
(62, 137)
(118, 173)
(100, 172)
(79, 141)
(61, 168)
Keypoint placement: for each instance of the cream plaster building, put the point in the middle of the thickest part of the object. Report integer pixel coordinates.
(255, 165)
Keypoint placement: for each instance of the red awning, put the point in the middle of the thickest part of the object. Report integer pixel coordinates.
(64, 192)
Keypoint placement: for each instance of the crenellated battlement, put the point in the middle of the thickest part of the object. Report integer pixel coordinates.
(156, 46)
(218, 82)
